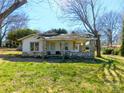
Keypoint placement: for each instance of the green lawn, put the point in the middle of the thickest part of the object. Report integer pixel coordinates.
(99, 76)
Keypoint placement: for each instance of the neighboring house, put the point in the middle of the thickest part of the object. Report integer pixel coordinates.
(71, 45)
(10, 44)
(4, 43)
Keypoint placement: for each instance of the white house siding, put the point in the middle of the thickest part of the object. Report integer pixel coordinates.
(26, 44)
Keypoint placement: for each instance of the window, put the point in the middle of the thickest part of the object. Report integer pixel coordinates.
(75, 46)
(52, 46)
(66, 46)
(34, 46)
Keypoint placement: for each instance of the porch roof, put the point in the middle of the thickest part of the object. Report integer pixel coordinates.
(69, 37)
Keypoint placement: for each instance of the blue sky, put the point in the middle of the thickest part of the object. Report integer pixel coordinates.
(42, 17)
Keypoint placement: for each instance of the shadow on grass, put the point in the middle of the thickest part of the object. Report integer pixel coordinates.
(19, 58)
(111, 69)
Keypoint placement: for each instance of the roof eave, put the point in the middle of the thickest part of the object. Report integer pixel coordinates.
(26, 37)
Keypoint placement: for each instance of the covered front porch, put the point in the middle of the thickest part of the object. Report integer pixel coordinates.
(71, 48)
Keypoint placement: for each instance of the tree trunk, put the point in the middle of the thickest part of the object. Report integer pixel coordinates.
(98, 46)
(0, 43)
(1, 33)
(110, 38)
(110, 42)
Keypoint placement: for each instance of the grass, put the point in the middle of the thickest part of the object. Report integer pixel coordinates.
(99, 76)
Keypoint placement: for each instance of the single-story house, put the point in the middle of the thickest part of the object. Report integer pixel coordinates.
(71, 45)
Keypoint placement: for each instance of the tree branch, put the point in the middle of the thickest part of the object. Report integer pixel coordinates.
(13, 7)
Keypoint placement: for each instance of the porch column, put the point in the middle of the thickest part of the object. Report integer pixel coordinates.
(92, 47)
(44, 45)
(63, 49)
(44, 48)
(83, 46)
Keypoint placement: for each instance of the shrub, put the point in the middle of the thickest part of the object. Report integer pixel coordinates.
(108, 51)
(116, 51)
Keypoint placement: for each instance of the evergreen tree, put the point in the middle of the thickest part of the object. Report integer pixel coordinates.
(58, 31)
(13, 36)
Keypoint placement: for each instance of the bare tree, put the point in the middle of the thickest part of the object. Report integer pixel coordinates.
(6, 8)
(86, 12)
(17, 21)
(13, 22)
(110, 24)
(9, 6)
